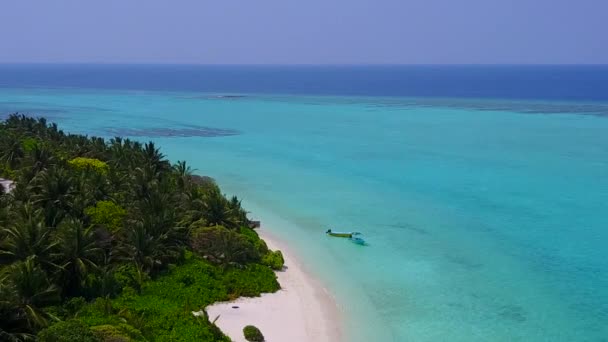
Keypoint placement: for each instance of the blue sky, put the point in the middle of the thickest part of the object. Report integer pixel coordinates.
(304, 31)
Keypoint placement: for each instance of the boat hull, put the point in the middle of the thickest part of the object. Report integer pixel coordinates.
(343, 235)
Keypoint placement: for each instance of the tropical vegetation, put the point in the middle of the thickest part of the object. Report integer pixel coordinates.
(106, 240)
(253, 334)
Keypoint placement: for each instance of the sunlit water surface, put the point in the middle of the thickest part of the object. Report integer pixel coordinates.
(487, 220)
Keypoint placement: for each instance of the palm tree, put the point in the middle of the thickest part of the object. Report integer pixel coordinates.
(41, 127)
(140, 247)
(55, 193)
(149, 251)
(107, 285)
(13, 154)
(217, 210)
(97, 148)
(89, 187)
(184, 172)
(239, 214)
(154, 158)
(152, 239)
(20, 193)
(4, 211)
(26, 289)
(15, 336)
(144, 179)
(223, 246)
(41, 158)
(54, 133)
(193, 206)
(119, 153)
(27, 236)
(77, 253)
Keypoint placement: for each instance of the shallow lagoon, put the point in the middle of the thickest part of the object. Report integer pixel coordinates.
(486, 219)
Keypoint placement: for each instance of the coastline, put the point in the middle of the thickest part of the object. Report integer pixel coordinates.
(302, 310)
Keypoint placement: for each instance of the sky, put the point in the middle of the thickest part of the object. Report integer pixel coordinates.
(304, 31)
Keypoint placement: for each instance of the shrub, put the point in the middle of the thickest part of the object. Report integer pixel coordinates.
(109, 333)
(68, 309)
(7, 172)
(162, 311)
(223, 246)
(253, 334)
(108, 214)
(73, 306)
(101, 284)
(274, 260)
(68, 331)
(117, 333)
(129, 276)
(29, 144)
(250, 281)
(89, 164)
(254, 238)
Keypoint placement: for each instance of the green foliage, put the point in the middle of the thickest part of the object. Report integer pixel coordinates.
(29, 144)
(218, 211)
(107, 214)
(129, 275)
(117, 333)
(254, 238)
(12, 154)
(100, 231)
(163, 309)
(253, 334)
(7, 172)
(89, 164)
(223, 247)
(78, 253)
(101, 312)
(71, 307)
(274, 260)
(26, 236)
(250, 281)
(68, 331)
(25, 290)
(110, 333)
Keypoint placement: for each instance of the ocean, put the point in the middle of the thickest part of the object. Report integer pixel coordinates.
(482, 190)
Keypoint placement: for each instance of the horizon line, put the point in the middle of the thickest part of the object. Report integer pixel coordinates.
(298, 64)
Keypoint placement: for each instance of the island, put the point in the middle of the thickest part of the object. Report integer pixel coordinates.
(106, 240)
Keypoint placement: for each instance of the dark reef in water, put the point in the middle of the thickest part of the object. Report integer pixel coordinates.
(526, 107)
(184, 132)
(215, 97)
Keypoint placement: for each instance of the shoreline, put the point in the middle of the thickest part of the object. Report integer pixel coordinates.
(302, 310)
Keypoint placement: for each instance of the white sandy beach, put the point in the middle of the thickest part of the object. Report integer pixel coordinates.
(302, 311)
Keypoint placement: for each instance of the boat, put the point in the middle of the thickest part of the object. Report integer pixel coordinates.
(355, 237)
(339, 234)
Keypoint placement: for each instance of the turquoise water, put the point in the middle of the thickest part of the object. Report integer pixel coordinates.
(487, 220)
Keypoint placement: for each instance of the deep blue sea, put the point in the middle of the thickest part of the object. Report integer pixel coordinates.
(482, 190)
